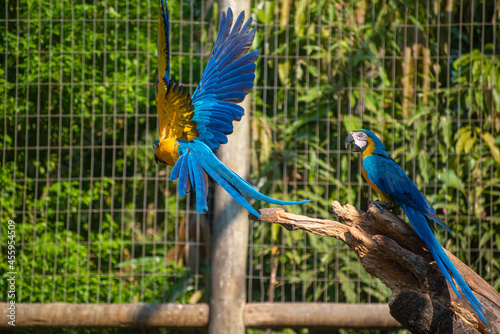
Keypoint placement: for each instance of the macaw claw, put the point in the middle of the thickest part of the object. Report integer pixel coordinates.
(381, 205)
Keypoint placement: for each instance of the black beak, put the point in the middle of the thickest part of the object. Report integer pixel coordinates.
(348, 140)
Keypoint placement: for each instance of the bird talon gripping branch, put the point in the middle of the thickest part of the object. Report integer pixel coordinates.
(381, 205)
(393, 185)
(192, 127)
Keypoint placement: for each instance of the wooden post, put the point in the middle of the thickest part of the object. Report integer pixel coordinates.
(230, 226)
(182, 316)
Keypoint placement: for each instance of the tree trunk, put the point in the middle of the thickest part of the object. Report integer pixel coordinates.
(389, 249)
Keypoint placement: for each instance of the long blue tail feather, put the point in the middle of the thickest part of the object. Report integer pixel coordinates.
(444, 263)
(436, 219)
(198, 179)
(230, 189)
(237, 181)
(201, 159)
(183, 177)
(236, 49)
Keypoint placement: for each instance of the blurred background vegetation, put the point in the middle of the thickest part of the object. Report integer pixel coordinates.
(99, 222)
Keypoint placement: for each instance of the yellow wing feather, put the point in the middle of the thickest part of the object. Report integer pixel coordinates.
(163, 47)
(176, 111)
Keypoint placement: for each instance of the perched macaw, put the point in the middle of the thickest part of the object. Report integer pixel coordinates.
(393, 185)
(191, 128)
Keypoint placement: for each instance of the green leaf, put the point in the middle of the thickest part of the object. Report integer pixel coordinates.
(490, 141)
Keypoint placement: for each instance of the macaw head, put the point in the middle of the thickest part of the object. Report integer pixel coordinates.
(363, 139)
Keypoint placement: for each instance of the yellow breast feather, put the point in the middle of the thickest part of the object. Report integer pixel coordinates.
(383, 197)
(366, 153)
(369, 148)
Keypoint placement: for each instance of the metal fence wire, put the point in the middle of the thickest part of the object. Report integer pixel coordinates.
(99, 222)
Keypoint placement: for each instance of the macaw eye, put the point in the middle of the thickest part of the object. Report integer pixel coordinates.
(360, 135)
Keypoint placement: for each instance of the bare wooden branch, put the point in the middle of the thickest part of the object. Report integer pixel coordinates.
(389, 249)
(319, 315)
(256, 315)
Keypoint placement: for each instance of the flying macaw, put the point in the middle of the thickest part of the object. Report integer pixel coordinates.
(393, 185)
(192, 127)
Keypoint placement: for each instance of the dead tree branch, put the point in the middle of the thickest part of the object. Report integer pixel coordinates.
(389, 249)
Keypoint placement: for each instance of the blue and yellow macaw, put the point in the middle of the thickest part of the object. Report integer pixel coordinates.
(191, 128)
(393, 185)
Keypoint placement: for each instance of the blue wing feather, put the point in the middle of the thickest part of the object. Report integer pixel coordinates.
(390, 179)
(228, 77)
(237, 48)
(243, 65)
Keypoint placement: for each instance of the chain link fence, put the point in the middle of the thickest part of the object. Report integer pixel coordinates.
(98, 222)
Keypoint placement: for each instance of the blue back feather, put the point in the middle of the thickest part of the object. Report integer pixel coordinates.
(228, 77)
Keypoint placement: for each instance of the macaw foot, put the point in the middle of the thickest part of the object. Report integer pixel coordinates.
(381, 205)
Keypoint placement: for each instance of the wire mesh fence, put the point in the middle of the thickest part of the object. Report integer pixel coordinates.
(98, 222)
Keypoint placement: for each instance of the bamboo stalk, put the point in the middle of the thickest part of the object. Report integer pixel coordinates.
(408, 77)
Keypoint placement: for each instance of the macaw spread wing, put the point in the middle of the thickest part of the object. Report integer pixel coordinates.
(174, 105)
(190, 129)
(176, 111)
(227, 79)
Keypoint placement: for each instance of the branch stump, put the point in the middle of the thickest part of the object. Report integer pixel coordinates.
(389, 249)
